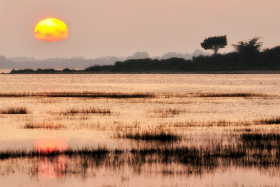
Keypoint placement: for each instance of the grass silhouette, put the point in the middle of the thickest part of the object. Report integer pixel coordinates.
(162, 136)
(19, 110)
(102, 111)
(48, 126)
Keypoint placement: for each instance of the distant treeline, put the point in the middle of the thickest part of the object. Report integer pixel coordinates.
(268, 59)
(55, 63)
(81, 62)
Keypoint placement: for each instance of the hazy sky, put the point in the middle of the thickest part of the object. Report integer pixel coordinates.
(123, 27)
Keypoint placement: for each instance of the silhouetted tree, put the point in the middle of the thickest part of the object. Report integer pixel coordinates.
(248, 47)
(214, 43)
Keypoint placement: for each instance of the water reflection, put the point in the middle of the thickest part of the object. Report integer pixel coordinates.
(48, 169)
(53, 160)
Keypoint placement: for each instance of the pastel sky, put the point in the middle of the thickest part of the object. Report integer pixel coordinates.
(122, 27)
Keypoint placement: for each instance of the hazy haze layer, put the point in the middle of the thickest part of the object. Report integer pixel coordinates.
(123, 27)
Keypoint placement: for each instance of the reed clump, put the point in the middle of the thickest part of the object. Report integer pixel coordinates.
(114, 95)
(261, 142)
(19, 110)
(21, 94)
(218, 123)
(49, 126)
(120, 95)
(213, 94)
(102, 111)
(239, 94)
(273, 120)
(162, 136)
(164, 113)
(8, 154)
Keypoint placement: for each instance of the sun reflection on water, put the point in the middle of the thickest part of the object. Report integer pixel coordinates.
(50, 168)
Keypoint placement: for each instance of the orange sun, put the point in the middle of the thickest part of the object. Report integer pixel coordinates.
(47, 146)
(51, 30)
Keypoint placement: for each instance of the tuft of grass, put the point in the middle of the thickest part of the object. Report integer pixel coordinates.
(21, 94)
(102, 111)
(48, 126)
(19, 110)
(150, 136)
(274, 120)
(241, 94)
(188, 124)
(7, 154)
(260, 137)
(213, 94)
(116, 95)
(164, 113)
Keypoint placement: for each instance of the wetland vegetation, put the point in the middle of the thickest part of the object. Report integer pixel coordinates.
(116, 95)
(150, 135)
(49, 126)
(248, 150)
(123, 95)
(18, 110)
(101, 111)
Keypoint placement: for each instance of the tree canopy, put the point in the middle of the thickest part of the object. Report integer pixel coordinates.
(214, 43)
(246, 47)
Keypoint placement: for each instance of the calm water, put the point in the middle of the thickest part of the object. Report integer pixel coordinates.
(92, 130)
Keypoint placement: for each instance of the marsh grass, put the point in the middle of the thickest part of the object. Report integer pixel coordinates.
(267, 141)
(189, 124)
(273, 120)
(236, 94)
(232, 95)
(113, 95)
(19, 110)
(261, 137)
(165, 113)
(220, 123)
(49, 126)
(253, 150)
(120, 95)
(7, 154)
(105, 95)
(180, 153)
(102, 111)
(162, 136)
(21, 94)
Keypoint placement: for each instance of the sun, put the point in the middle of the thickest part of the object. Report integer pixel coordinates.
(47, 146)
(51, 30)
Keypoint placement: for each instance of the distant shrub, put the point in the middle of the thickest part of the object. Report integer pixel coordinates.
(67, 70)
(248, 47)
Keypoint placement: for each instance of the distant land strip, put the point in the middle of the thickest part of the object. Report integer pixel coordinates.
(267, 61)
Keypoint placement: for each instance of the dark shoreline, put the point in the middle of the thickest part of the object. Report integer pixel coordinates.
(189, 72)
(266, 62)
